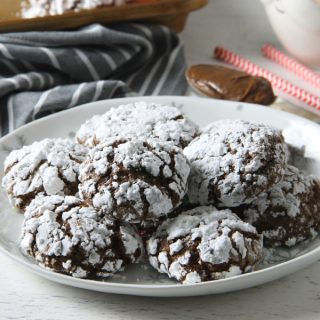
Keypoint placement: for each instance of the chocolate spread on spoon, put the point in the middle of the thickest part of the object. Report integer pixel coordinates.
(219, 82)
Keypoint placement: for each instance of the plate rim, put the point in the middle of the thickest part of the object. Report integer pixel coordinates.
(307, 258)
(36, 268)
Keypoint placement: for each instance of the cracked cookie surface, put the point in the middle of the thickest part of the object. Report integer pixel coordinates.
(140, 120)
(134, 181)
(204, 244)
(233, 161)
(65, 236)
(49, 166)
(290, 212)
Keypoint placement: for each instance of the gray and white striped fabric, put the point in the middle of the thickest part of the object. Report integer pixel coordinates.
(46, 72)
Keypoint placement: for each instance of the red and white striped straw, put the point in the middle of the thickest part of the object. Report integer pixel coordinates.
(292, 65)
(276, 81)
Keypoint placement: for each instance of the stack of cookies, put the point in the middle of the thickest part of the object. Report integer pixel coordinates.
(143, 180)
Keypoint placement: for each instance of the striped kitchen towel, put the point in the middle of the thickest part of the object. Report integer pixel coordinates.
(45, 72)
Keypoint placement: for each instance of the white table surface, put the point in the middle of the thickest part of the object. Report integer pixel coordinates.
(241, 26)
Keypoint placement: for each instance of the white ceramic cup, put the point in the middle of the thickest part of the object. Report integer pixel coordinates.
(297, 25)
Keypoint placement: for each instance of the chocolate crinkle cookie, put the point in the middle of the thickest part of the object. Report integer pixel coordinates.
(134, 181)
(50, 166)
(204, 244)
(65, 236)
(290, 212)
(41, 8)
(233, 161)
(142, 120)
(147, 229)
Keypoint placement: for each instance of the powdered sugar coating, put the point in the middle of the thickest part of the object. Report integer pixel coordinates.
(67, 237)
(233, 161)
(133, 180)
(204, 244)
(296, 157)
(49, 166)
(41, 8)
(290, 212)
(141, 120)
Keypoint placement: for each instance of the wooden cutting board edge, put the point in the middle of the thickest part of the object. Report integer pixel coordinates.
(172, 13)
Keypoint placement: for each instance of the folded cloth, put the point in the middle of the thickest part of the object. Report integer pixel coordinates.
(46, 72)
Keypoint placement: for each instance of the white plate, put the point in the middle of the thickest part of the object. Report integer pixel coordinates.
(142, 280)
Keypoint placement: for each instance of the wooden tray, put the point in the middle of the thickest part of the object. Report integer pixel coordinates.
(172, 13)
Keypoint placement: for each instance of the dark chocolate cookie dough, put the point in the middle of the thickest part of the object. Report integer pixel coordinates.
(66, 236)
(290, 212)
(133, 180)
(50, 167)
(233, 161)
(139, 120)
(204, 244)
